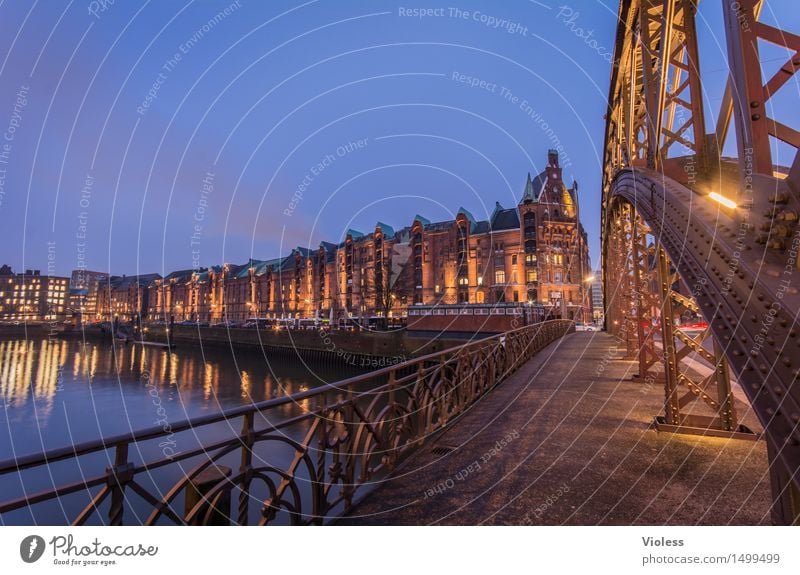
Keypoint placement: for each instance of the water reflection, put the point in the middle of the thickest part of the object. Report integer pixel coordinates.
(58, 391)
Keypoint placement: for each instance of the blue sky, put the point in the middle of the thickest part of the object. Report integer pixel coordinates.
(284, 123)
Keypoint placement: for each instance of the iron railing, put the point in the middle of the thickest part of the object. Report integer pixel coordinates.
(297, 470)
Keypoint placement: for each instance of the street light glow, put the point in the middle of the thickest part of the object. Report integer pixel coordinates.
(727, 202)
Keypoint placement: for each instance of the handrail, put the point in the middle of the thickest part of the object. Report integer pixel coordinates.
(369, 429)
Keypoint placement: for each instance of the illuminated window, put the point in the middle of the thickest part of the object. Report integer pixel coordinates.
(531, 276)
(500, 277)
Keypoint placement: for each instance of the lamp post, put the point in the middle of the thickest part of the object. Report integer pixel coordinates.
(580, 249)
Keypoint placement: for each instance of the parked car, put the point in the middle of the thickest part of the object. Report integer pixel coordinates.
(194, 323)
(586, 327)
(258, 322)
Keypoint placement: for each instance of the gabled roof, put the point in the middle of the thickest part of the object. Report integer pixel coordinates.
(330, 251)
(355, 234)
(536, 186)
(504, 219)
(180, 275)
(388, 231)
(286, 263)
(497, 209)
(304, 252)
(235, 269)
(125, 282)
(202, 276)
(439, 226)
(481, 227)
(421, 220)
(244, 271)
(470, 219)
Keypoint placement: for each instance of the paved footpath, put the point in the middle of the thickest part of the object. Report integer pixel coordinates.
(567, 440)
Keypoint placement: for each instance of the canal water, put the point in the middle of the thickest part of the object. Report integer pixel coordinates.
(58, 392)
(62, 392)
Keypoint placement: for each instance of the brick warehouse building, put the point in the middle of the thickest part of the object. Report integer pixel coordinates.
(532, 253)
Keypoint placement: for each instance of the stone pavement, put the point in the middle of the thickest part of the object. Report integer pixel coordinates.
(567, 440)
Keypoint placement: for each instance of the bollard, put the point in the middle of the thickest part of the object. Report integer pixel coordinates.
(198, 487)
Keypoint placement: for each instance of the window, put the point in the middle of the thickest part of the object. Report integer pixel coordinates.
(480, 280)
(514, 260)
(531, 276)
(516, 296)
(558, 277)
(500, 277)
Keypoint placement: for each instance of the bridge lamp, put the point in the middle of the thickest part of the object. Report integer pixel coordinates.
(588, 279)
(727, 202)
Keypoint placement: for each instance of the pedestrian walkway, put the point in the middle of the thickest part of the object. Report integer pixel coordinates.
(567, 440)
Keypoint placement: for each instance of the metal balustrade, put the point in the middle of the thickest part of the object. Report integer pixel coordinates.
(349, 435)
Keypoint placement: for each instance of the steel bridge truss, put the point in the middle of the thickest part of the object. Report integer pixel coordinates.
(669, 248)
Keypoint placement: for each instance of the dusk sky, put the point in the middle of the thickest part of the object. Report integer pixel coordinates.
(136, 125)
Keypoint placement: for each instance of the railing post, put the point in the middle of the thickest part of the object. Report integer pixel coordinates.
(245, 468)
(117, 477)
(392, 431)
(217, 510)
(443, 414)
(422, 409)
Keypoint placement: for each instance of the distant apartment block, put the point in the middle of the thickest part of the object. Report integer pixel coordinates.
(31, 296)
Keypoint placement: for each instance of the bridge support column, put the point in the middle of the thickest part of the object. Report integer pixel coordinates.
(643, 299)
(672, 409)
(785, 492)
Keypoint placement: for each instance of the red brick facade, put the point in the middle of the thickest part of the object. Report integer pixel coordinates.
(535, 252)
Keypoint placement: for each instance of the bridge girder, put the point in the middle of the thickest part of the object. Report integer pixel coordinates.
(665, 244)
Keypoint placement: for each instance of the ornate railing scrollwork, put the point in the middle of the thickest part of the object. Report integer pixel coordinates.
(298, 470)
